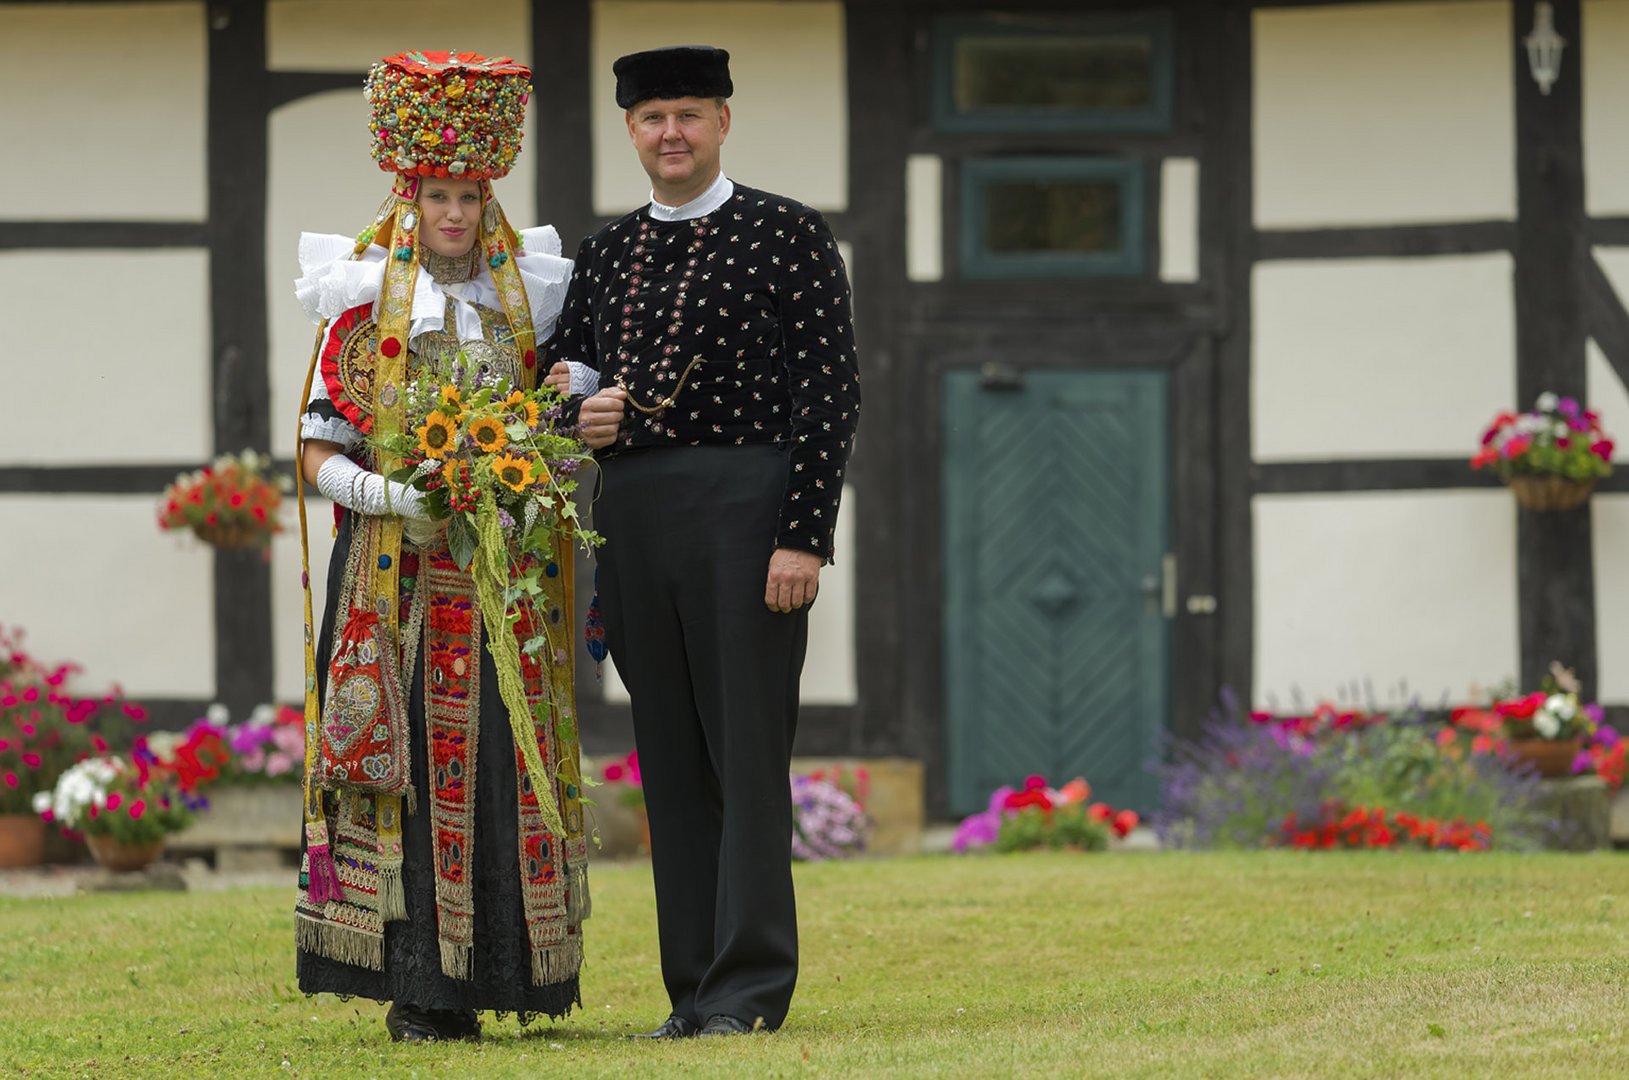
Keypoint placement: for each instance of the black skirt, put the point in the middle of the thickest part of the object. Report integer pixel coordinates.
(501, 967)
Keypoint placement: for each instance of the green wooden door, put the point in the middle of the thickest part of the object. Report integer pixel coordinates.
(1056, 606)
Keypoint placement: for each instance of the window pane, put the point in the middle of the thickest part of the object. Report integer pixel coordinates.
(1063, 216)
(1067, 73)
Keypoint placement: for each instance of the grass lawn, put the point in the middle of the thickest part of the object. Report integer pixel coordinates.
(1273, 964)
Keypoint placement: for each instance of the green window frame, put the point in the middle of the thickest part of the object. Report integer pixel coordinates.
(1155, 116)
(978, 261)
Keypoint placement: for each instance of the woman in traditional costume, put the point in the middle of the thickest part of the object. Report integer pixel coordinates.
(430, 878)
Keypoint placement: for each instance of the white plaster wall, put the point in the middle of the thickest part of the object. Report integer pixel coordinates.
(110, 99)
(140, 353)
(1609, 516)
(789, 130)
(1416, 588)
(828, 669)
(93, 580)
(336, 35)
(1605, 393)
(1374, 114)
(1179, 220)
(924, 217)
(288, 599)
(1380, 358)
(1606, 88)
(321, 179)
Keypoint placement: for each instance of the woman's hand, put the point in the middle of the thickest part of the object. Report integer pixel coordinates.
(559, 379)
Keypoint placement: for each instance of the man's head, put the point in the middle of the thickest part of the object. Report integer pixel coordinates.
(677, 115)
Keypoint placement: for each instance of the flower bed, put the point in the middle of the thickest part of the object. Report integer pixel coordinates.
(1036, 816)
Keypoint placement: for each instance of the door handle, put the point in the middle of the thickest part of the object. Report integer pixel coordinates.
(1168, 584)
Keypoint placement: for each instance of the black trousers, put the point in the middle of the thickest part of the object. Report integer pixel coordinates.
(713, 677)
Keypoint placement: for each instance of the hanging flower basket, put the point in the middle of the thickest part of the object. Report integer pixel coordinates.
(232, 535)
(1550, 492)
(1550, 457)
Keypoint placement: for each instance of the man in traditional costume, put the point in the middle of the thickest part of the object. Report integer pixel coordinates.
(717, 320)
(428, 878)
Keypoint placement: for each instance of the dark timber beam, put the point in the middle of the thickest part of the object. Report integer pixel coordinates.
(564, 143)
(26, 235)
(1229, 205)
(1608, 319)
(283, 87)
(1554, 556)
(238, 107)
(1386, 241)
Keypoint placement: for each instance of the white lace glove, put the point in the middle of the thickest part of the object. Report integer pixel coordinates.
(356, 488)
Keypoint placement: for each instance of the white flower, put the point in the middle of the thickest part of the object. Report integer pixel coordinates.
(1547, 402)
(263, 714)
(42, 801)
(1547, 723)
(1563, 705)
(217, 714)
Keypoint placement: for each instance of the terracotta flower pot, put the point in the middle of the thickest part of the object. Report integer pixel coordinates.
(22, 840)
(1550, 492)
(1550, 757)
(116, 855)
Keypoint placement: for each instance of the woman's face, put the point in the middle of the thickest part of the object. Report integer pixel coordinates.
(452, 215)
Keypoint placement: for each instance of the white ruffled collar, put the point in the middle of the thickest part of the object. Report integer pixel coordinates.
(717, 194)
(331, 283)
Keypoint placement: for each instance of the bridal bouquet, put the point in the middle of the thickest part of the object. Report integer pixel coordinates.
(498, 468)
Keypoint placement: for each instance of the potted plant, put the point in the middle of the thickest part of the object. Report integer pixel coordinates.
(44, 729)
(1547, 728)
(231, 502)
(1550, 457)
(827, 821)
(125, 806)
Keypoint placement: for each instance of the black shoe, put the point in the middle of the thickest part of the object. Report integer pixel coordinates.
(725, 1025)
(674, 1027)
(456, 1024)
(409, 1024)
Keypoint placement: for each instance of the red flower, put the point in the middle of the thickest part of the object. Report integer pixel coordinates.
(1099, 812)
(1124, 822)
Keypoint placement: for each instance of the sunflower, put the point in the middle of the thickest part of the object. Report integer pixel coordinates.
(515, 473)
(438, 435)
(529, 413)
(488, 434)
(452, 401)
(515, 398)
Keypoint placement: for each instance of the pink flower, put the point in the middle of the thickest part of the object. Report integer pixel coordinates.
(280, 763)
(612, 773)
(32, 694)
(11, 780)
(448, 135)
(114, 800)
(29, 730)
(1602, 449)
(138, 808)
(32, 760)
(48, 815)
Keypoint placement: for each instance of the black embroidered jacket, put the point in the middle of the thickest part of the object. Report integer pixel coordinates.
(740, 318)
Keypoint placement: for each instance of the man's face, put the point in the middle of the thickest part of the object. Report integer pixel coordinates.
(678, 141)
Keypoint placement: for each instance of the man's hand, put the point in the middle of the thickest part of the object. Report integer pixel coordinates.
(559, 378)
(794, 578)
(601, 415)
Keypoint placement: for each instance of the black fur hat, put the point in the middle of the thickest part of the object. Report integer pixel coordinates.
(676, 72)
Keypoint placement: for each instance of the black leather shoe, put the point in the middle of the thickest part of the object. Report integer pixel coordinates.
(674, 1027)
(725, 1025)
(456, 1024)
(409, 1024)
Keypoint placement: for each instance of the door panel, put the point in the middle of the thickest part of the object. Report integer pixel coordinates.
(1056, 644)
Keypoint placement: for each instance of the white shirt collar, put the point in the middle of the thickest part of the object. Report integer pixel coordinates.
(717, 194)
